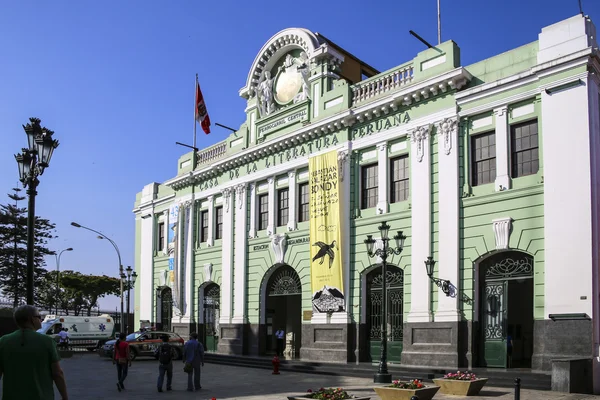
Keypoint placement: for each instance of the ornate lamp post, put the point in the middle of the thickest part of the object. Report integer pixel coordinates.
(103, 236)
(58, 273)
(128, 280)
(382, 375)
(32, 162)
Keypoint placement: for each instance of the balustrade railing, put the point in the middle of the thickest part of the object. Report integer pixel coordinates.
(384, 82)
(214, 153)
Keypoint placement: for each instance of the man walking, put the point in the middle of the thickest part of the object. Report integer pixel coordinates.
(121, 359)
(164, 352)
(280, 334)
(193, 357)
(29, 362)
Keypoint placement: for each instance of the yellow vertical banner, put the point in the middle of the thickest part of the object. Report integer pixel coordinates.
(326, 266)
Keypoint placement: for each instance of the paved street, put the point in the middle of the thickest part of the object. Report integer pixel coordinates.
(90, 377)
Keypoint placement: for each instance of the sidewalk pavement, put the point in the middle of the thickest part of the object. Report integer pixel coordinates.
(90, 377)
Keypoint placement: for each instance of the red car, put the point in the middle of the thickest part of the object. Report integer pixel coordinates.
(144, 344)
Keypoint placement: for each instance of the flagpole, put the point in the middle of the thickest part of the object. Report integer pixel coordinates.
(195, 108)
(439, 23)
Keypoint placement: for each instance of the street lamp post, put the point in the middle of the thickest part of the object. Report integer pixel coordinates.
(129, 281)
(32, 162)
(58, 274)
(103, 236)
(382, 375)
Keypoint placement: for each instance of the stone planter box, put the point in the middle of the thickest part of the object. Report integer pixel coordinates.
(461, 388)
(305, 396)
(389, 393)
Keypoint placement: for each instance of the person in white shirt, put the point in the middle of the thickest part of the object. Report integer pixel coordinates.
(63, 338)
(280, 335)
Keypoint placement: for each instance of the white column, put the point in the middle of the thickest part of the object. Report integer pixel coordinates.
(146, 266)
(227, 258)
(210, 241)
(568, 261)
(252, 229)
(383, 184)
(502, 154)
(292, 212)
(189, 260)
(448, 261)
(420, 163)
(272, 208)
(241, 267)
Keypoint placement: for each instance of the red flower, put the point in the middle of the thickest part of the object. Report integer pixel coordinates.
(309, 390)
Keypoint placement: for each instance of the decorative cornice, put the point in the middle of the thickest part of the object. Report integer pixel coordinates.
(418, 136)
(453, 80)
(447, 129)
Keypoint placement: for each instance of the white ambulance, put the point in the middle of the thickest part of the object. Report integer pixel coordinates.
(86, 332)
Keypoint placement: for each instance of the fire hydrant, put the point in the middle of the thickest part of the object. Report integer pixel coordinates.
(275, 363)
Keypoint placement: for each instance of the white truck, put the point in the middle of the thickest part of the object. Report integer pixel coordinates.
(86, 332)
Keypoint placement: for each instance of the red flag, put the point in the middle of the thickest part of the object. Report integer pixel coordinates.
(201, 113)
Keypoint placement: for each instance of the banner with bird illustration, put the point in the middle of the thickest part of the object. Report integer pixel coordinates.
(325, 233)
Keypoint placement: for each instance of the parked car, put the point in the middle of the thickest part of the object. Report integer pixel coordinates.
(143, 344)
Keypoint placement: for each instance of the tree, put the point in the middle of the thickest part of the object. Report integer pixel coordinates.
(78, 292)
(13, 248)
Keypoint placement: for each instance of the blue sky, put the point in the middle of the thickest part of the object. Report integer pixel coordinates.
(115, 81)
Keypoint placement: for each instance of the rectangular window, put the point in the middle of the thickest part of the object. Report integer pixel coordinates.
(204, 226)
(399, 179)
(303, 200)
(161, 236)
(483, 158)
(524, 149)
(219, 226)
(263, 211)
(283, 200)
(369, 186)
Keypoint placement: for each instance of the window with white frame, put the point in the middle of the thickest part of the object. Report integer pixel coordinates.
(369, 180)
(483, 158)
(524, 148)
(399, 183)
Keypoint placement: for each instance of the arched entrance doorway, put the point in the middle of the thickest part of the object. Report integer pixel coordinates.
(283, 309)
(210, 298)
(506, 309)
(395, 311)
(164, 308)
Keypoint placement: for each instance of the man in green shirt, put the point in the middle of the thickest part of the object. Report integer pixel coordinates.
(29, 362)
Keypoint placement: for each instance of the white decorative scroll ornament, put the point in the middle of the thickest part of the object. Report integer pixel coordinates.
(342, 159)
(418, 136)
(163, 277)
(279, 246)
(226, 192)
(291, 174)
(270, 180)
(502, 227)
(208, 270)
(241, 192)
(447, 129)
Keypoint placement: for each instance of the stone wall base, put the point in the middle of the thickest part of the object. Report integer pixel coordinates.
(328, 342)
(560, 340)
(437, 345)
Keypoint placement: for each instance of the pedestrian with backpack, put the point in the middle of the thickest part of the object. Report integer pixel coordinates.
(164, 352)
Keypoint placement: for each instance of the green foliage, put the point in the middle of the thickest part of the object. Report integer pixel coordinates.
(79, 293)
(13, 249)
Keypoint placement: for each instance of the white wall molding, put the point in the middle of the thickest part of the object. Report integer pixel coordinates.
(272, 206)
(227, 260)
(252, 230)
(502, 228)
(146, 269)
(292, 200)
(211, 221)
(189, 261)
(382, 175)
(240, 268)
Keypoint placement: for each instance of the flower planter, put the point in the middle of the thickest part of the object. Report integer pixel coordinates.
(390, 393)
(461, 388)
(305, 396)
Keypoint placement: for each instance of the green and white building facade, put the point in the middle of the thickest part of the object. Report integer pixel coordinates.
(492, 169)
